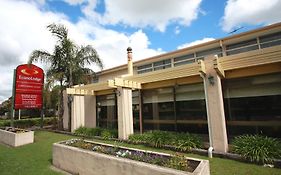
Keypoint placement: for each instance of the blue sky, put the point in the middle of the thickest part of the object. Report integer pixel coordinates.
(150, 27)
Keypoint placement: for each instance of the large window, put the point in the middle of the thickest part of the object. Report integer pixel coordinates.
(136, 110)
(253, 105)
(244, 46)
(180, 108)
(191, 109)
(106, 111)
(158, 109)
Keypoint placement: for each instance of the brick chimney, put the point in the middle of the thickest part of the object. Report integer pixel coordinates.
(130, 61)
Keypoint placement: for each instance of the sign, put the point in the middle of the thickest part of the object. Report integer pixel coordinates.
(28, 88)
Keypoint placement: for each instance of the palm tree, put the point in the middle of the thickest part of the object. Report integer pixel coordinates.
(67, 63)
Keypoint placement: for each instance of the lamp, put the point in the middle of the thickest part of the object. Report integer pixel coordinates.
(211, 80)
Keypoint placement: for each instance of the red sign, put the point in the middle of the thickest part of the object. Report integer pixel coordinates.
(29, 85)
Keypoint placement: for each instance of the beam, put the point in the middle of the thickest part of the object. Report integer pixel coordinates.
(218, 68)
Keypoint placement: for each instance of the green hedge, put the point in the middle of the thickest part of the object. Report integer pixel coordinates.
(26, 123)
(101, 132)
(257, 148)
(180, 141)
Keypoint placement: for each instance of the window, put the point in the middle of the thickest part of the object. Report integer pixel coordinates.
(136, 108)
(144, 68)
(214, 51)
(270, 40)
(106, 111)
(253, 105)
(241, 47)
(185, 59)
(180, 108)
(162, 64)
(191, 109)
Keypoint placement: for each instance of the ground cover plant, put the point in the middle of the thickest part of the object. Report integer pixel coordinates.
(257, 148)
(177, 161)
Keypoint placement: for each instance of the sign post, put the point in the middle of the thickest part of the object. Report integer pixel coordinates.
(28, 93)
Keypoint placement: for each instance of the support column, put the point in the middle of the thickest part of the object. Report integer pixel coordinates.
(125, 112)
(90, 111)
(215, 107)
(78, 112)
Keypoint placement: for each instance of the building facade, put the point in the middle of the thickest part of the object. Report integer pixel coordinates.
(222, 88)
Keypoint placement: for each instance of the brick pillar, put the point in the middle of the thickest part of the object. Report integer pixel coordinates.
(215, 107)
(125, 112)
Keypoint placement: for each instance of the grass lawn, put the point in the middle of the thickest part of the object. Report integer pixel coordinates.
(36, 159)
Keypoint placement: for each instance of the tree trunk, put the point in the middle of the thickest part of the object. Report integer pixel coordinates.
(61, 108)
(69, 101)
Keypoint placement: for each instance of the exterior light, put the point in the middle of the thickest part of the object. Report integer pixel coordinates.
(211, 80)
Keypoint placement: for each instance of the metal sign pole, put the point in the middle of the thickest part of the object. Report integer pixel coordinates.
(13, 99)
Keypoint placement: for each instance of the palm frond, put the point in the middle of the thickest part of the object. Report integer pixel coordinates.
(39, 55)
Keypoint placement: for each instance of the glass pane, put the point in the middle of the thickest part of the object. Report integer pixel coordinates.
(241, 50)
(253, 105)
(213, 51)
(241, 44)
(106, 111)
(270, 37)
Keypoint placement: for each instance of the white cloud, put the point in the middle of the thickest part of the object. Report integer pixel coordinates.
(193, 43)
(24, 29)
(157, 14)
(253, 12)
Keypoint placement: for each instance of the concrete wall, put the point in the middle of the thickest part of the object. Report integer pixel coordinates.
(16, 139)
(79, 161)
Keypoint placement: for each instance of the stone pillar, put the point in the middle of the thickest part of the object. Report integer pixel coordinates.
(125, 112)
(215, 107)
(90, 111)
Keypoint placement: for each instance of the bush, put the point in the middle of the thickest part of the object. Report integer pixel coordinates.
(139, 138)
(186, 141)
(27, 123)
(91, 132)
(109, 133)
(180, 141)
(160, 138)
(257, 148)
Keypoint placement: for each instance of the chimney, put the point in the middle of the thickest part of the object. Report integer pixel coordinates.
(130, 61)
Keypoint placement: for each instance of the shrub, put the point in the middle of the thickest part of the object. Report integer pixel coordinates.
(257, 148)
(109, 133)
(181, 141)
(139, 138)
(186, 141)
(91, 132)
(160, 138)
(26, 123)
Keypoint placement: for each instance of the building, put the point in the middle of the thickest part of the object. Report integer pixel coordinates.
(222, 88)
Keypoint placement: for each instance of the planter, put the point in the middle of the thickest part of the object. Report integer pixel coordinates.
(15, 139)
(82, 161)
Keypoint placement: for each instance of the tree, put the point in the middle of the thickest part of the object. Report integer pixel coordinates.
(67, 63)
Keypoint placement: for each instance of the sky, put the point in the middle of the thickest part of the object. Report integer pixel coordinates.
(150, 27)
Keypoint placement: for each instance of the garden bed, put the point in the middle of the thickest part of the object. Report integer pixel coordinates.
(97, 158)
(16, 137)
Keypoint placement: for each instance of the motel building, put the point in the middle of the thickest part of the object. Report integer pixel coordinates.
(219, 89)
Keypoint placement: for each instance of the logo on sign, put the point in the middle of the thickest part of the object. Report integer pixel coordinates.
(29, 71)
